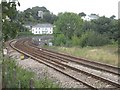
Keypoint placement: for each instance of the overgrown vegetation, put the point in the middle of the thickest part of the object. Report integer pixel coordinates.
(10, 24)
(70, 30)
(24, 34)
(92, 38)
(16, 77)
(30, 16)
(106, 54)
(67, 25)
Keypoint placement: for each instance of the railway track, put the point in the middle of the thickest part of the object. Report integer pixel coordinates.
(60, 64)
(91, 64)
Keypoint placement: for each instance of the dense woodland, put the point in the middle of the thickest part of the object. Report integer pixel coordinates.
(30, 16)
(70, 29)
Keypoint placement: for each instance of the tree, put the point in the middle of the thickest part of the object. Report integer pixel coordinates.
(91, 38)
(87, 25)
(102, 24)
(82, 14)
(31, 15)
(108, 26)
(113, 16)
(93, 14)
(10, 23)
(69, 24)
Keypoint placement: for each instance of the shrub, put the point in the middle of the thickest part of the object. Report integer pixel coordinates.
(92, 38)
(68, 43)
(59, 40)
(24, 34)
(75, 40)
(15, 77)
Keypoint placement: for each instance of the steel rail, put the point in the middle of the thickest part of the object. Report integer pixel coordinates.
(85, 62)
(103, 79)
(43, 54)
(49, 65)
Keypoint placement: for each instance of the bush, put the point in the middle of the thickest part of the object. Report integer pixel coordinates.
(75, 40)
(59, 40)
(15, 77)
(24, 34)
(83, 40)
(68, 43)
(92, 38)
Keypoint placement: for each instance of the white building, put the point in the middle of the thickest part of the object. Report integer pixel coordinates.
(28, 26)
(42, 29)
(40, 14)
(90, 17)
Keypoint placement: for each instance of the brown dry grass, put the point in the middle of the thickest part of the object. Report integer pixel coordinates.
(105, 54)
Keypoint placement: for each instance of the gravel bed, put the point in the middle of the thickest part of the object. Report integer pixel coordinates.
(97, 72)
(42, 71)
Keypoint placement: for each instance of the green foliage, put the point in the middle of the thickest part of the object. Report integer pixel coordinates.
(9, 9)
(59, 40)
(69, 24)
(15, 77)
(46, 83)
(82, 14)
(106, 54)
(75, 40)
(25, 33)
(68, 43)
(108, 26)
(30, 15)
(102, 24)
(87, 26)
(88, 33)
(10, 30)
(9, 19)
(92, 38)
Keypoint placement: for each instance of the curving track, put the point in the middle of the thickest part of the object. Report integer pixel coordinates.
(60, 62)
(91, 64)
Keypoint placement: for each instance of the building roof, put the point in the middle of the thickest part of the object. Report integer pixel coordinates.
(43, 25)
(28, 25)
(93, 16)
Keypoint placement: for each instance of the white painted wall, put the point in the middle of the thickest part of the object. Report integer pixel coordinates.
(45, 30)
(89, 17)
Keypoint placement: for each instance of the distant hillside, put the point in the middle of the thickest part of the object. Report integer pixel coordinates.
(30, 15)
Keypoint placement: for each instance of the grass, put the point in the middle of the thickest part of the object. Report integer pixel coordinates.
(15, 77)
(106, 54)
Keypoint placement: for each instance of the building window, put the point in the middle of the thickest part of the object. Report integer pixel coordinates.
(44, 32)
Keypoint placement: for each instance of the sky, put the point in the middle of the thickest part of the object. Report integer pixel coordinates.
(100, 7)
